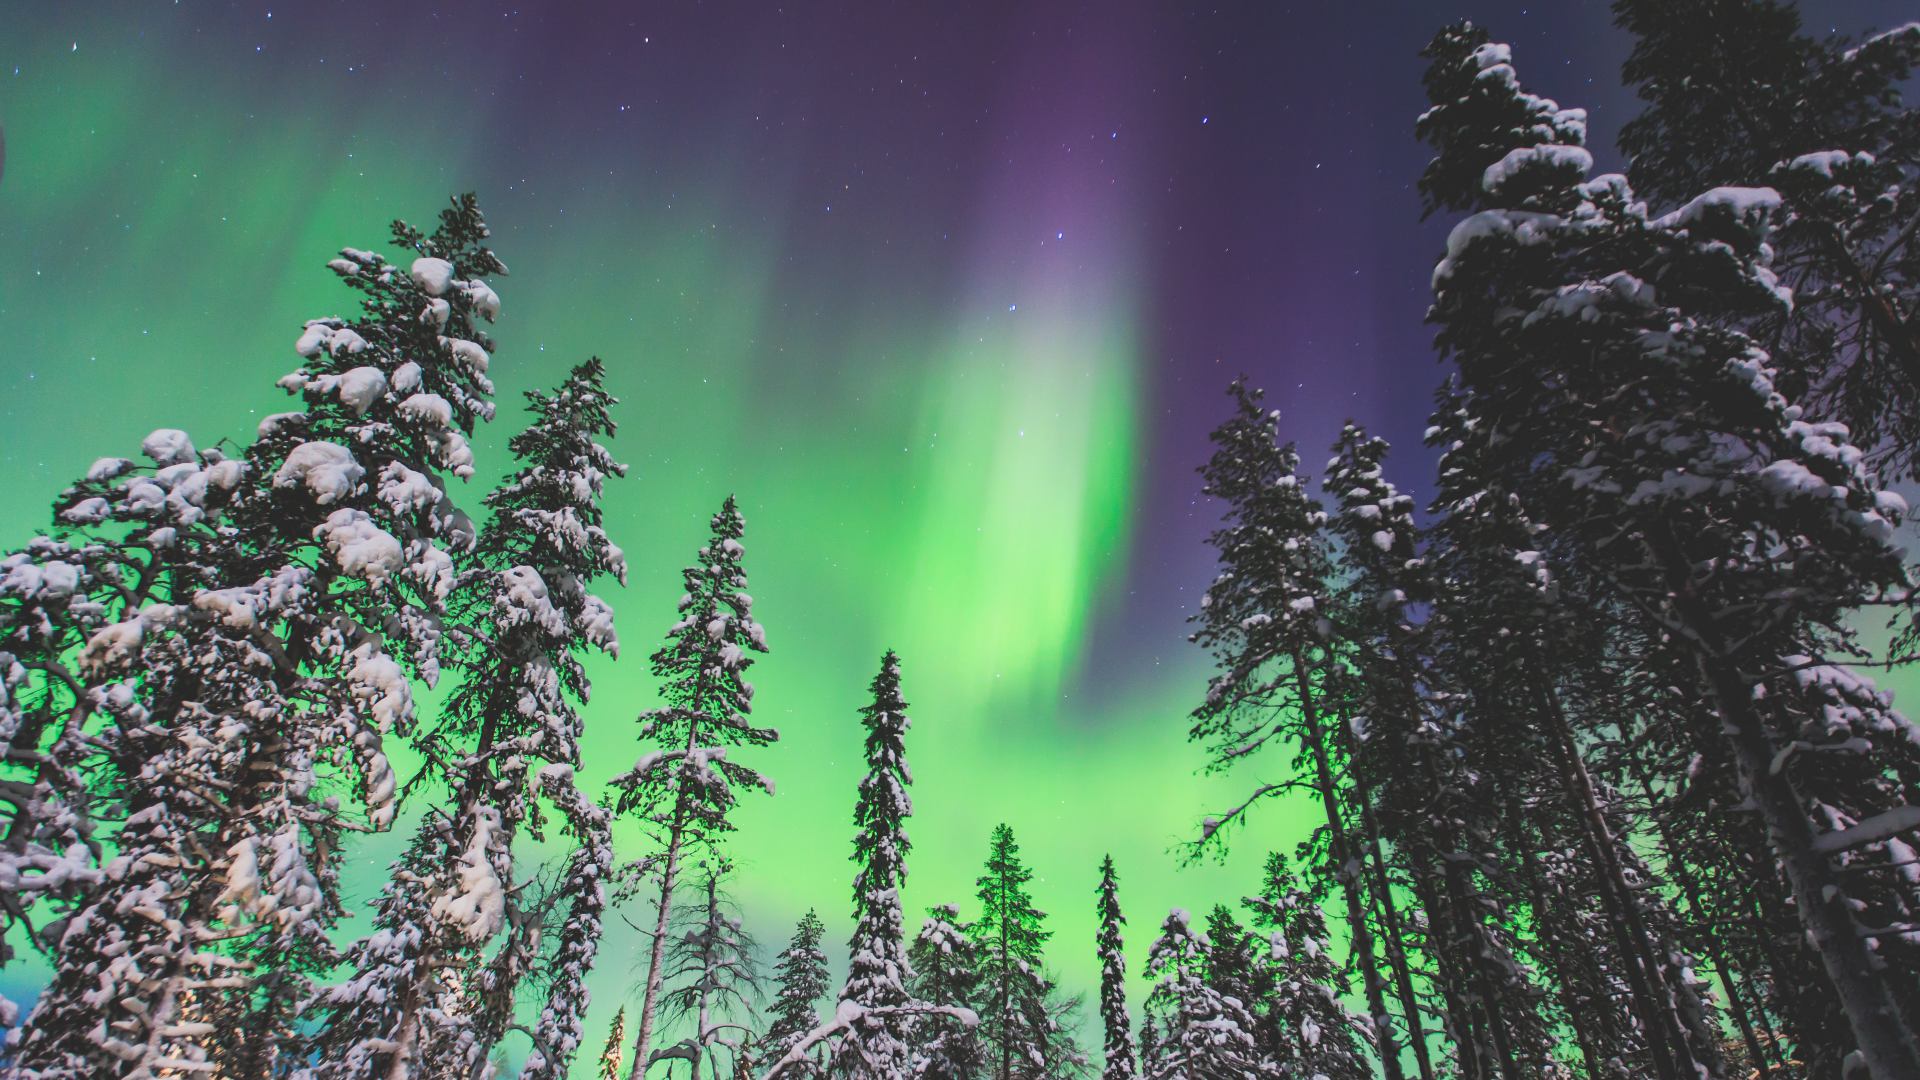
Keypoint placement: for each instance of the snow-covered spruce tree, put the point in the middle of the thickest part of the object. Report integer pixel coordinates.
(1736, 94)
(878, 976)
(1110, 945)
(158, 962)
(124, 536)
(1022, 1036)
(1379, 573)
(1525, 659)
(266, 692)
(1610, 395)
(713, 979)
(682, 790)
(1201, 1033)
(1265, 619)
(1477, 767)
(559, 1029)
(800, 972)
(512, 731)
(1317, 1036)
(1406, 756)
(1236, 967)
(946, 972)
(508, 734)
(616, 1045)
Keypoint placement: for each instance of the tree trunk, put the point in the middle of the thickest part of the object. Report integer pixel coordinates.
(1396, 950)
(1348, 871)
(1458, 1024)
(1673, 1055)
(1886, 1045)
(656, 958)
(1577, 1006)
(1722, 961)
(1501, 1050)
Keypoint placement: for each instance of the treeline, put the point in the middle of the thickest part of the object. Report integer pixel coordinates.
(1602, 787)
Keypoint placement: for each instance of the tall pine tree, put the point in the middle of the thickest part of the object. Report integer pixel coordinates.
(509, 733)
(875, 1047)
(1110, 948)
(683, 790)
(1266, 620)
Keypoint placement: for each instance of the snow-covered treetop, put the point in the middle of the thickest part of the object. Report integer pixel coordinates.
(1481, 116)
(1565, 305)
(1109, 943)
(1374, 521)
(390, 398)
(525, 611)
(690, 775)
(881, 845)
(548, 514)
(1270, 596)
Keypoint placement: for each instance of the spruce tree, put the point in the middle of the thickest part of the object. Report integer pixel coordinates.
(1314, 1033)
(1737, 95)
(1202, 1034)
(1236, 967)
(508, 734)
(1021, 1033)
(266, 685)
(1109, 946)
(801, 974)
(616, 1045)
(1266, 620)
(946, 972)
(1653, 440)
(1381, 574)
(875, 1046)
(683, 790)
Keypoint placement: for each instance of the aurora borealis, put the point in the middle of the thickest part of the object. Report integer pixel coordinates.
(947, 298)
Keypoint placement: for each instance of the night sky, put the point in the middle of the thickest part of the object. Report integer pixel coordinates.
(947, 294)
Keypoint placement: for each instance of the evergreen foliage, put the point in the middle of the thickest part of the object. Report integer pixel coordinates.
(878, 976)
(946, 972)
(683, 790)
(800, 972)
(1109, 946)
(1018, 1020)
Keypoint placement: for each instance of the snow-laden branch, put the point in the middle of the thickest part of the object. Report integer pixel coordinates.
(1881, 826)
(849, 1013)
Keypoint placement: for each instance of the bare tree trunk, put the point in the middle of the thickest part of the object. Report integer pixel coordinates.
(656, 959)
